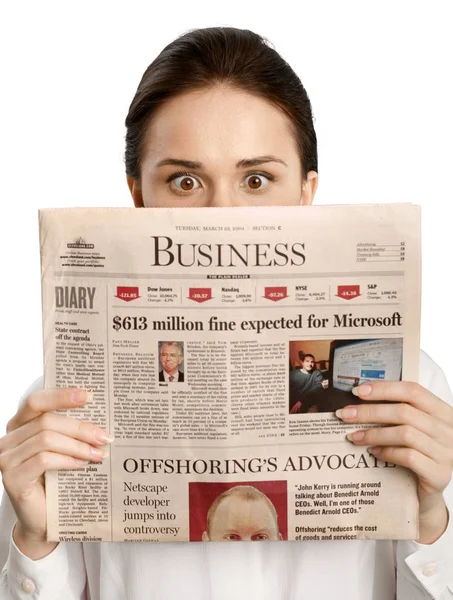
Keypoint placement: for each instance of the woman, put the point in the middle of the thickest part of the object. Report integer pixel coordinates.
(219, 119)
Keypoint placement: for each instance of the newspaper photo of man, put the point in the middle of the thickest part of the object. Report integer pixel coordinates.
(242, 513)
(304, 381)
(324, 373)
(171, 356)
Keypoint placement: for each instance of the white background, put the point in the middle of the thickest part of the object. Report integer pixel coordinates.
(378, 74)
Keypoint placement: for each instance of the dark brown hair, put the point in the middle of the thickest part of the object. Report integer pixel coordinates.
(238, 58)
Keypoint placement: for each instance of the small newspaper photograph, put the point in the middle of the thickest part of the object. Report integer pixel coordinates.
(217, 345)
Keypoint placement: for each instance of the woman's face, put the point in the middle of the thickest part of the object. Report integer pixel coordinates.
(220, 147)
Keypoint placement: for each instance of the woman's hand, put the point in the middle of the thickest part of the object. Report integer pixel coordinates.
(39, 440)
(421, 439)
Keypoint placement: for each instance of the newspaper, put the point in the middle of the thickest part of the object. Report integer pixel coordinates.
(217, 345)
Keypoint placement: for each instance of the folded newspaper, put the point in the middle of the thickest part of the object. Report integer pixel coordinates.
(217, 345)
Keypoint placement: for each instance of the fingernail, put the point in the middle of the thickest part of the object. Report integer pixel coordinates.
(103, 437)
(362, 390)
(346, 413)
(81, 463)
(375, 450)
(79, 397)
(356, 436)
(97, 452)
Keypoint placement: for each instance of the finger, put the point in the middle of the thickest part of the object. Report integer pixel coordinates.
(404, 436)
(43, 401)
(425, 468)
(75, 428)
(406, 391)
(34, 468)
(49, 441)
(397, 414)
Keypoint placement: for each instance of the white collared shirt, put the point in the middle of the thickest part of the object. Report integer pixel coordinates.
(167, 376)
(319, 570)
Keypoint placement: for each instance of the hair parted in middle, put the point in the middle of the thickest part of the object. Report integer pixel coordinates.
(237, 58)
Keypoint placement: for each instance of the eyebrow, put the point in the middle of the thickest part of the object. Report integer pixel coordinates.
(241, 164)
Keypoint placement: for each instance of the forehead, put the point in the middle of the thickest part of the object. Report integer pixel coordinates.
(235, 513)
(218, 123)
(170, 347)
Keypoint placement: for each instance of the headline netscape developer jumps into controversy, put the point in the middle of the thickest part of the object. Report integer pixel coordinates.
(257, 146)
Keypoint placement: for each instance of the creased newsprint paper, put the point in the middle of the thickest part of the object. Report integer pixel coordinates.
(218, 344)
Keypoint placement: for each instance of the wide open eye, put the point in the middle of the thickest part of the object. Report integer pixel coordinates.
(256, 182)
(183, 183)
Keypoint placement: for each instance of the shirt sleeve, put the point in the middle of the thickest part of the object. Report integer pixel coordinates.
(61, 574)
(318, 379)
(425, 571)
